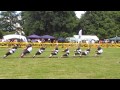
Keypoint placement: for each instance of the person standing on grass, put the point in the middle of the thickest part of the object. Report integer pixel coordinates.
(11, 50)
(27, 50)
(54, 52)
(99, 51)
(67, 52)
(40, 51)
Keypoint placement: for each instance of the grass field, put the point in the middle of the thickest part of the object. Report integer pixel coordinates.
(106, 66)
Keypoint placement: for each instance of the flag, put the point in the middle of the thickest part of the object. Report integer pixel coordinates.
(22, 32)
(80, 33)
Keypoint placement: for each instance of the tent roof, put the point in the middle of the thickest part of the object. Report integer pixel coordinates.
(87, 37)
(14, 36)
(115, 38)
(47, 37)
(34, 36)
(61, 39)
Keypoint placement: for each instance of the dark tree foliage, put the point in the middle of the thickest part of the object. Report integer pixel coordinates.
(104, 24)
(56, 23)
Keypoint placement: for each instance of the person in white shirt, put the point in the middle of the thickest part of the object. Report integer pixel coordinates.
(27, 50)
(54, 52)
(86, 52)
(99, 51)
(77, 51)
(67, 52)
(39, 52)
(11, 51)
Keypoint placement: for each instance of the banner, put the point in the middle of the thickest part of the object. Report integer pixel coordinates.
(80, 33)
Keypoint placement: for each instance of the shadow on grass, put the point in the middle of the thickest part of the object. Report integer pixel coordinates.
(51, 57)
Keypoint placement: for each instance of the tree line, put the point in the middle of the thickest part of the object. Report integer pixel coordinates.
(104, 24)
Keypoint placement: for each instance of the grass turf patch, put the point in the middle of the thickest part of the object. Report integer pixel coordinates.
(105, 66)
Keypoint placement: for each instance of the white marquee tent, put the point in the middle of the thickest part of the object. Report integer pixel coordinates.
(87, 37)
(14, 36)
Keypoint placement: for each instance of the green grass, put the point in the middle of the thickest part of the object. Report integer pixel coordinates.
(105, 66)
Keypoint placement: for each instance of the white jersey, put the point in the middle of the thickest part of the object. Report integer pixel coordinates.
(29, 49)
(86, 52)
(12, 50)
(78, 51)
(100, 51)
(56, 51)
(41, 50)
(67, 51)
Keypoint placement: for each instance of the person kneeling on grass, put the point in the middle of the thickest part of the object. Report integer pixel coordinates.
(54, 52)
(86, 52)
(67, 52)
(27, 50)
(11, 50)
(40, 51)
(99, 51)
(77, 51)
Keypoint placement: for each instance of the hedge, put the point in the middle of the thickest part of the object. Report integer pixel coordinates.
(62, 45)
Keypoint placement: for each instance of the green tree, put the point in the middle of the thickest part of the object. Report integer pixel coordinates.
(104, 24)
(1, 34)
(8, 19)
(50, 22)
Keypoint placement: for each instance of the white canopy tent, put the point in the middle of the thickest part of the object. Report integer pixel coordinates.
(87, 38)
(14, 36)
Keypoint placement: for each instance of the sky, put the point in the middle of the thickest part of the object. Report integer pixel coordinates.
(79, 13)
